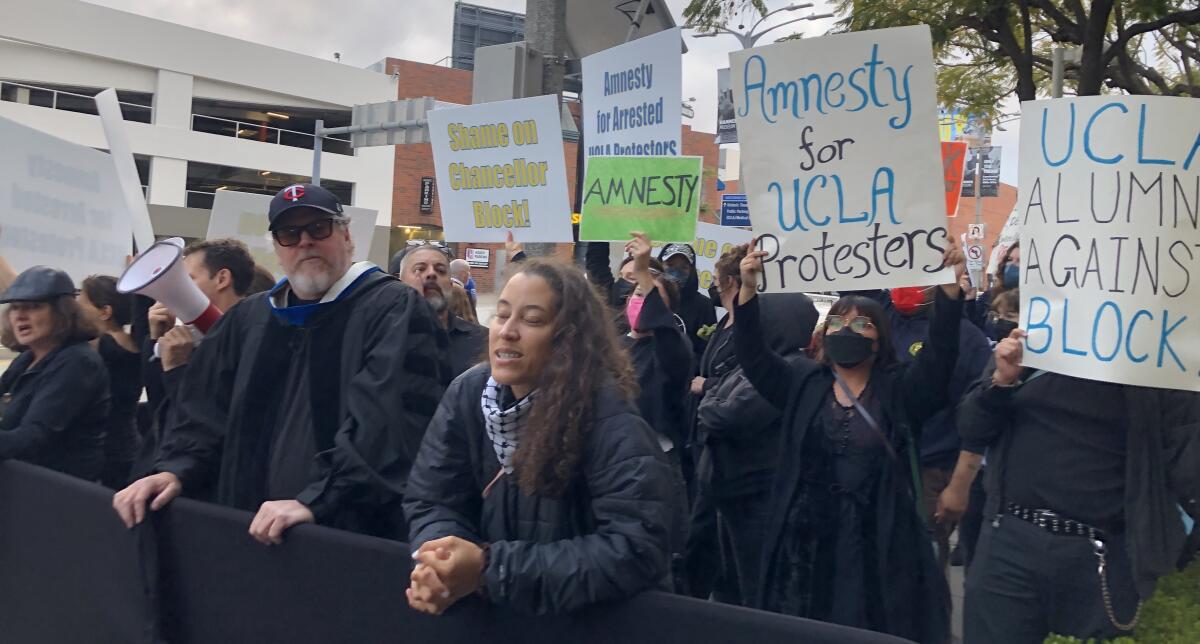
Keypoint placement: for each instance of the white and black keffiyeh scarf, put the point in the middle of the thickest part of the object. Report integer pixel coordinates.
(504, 425)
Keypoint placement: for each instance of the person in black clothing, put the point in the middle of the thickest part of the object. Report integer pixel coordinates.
(1006, 278)
(742, 436)
(696, 310)
(110, 311)
(1083, 483)
(947, 470)
(845, 543)
(538, 486)
(57, 389)
(662, 361)
(426, 268)
(224, 271)
(308, 402)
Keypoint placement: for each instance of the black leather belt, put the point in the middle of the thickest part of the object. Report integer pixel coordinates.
(1053, 522)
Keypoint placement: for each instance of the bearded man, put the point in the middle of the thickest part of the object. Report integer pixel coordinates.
(306, 403)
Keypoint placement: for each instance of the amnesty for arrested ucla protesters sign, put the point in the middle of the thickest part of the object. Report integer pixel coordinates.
(659, 196)
(1110, 238)
(60, 205)
(841, 161)
(631, 98)
(500, 169)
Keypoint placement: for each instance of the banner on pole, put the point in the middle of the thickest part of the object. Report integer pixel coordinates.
(989, 177)
(659, 196)
(1109, 206)
(726, 121)
(851, 201)
(500, 169)
(631, 98)
(63, 205)
(954, 156)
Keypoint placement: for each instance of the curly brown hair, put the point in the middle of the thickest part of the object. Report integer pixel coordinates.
(585, 356)
(70, 324)
(730, 263)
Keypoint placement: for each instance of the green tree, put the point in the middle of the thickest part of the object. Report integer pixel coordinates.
(988, 50)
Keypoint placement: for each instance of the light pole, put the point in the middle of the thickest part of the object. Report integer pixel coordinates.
(749, 37)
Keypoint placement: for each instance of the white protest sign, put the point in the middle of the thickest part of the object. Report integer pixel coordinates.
(60, 205)
(1109, 205)
(841, 160)
(119, 149)
(631, 98)
(243, 216)
(500, 169)
(1009, 235)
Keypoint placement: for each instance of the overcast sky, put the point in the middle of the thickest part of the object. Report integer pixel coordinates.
(366, 31)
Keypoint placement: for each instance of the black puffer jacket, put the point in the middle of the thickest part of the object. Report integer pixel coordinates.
(740, 426)
(605, 539)
(57, 411)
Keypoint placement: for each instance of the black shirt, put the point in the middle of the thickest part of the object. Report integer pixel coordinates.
(1068, 449)
(293, 443)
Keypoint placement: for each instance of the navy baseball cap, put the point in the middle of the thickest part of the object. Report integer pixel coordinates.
(302, 195)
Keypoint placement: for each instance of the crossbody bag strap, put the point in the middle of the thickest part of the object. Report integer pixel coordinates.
(887, 444)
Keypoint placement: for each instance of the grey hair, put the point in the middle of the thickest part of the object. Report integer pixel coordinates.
(459, 265)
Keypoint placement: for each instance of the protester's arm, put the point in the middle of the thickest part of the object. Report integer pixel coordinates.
(629, 484)
(1181, 447)
(7, 274)
(389, 403)
(191, 445)
(770, 374)
(734, 409)
(952, 502)
(513, 250)
(68, 389)
(599, 273)
(443, 498)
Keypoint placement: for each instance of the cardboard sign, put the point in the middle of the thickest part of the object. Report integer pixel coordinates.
(850, 201)
(659, 196)
(500, 169)
(631, 95)
(1110, 227)
(954, 156)
(735, 210)
(243, 216)
(63, 205)
(1009, 235)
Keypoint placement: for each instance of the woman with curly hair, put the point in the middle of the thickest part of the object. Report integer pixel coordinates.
(537, 484)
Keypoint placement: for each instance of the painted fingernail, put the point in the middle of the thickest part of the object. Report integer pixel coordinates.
(414, 555)
(445, 594)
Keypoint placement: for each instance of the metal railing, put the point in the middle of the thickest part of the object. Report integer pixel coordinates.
(266, 134)
(47, 97)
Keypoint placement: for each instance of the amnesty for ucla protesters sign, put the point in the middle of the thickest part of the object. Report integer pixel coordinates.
(841, 160)
(1110, 238)
(500, 169)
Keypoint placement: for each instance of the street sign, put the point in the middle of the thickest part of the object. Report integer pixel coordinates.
(478, 257)
(975, 257)
(735, 210)
(390, 123)
(426, 195)
(976, 231)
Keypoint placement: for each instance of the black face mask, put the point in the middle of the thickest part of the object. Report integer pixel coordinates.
(714, 294)
(621, 293)
(1002, 328)
(848, 349)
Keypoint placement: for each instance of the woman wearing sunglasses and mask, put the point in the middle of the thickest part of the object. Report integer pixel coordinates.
(845, 543)
(538, 485)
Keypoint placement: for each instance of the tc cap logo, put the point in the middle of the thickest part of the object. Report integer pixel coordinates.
(293, 193)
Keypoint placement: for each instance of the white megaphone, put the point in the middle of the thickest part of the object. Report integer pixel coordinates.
(158, 273)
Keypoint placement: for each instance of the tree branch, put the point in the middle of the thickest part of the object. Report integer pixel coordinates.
(1189, 17)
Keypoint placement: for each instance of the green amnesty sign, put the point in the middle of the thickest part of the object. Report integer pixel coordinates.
(659, 196)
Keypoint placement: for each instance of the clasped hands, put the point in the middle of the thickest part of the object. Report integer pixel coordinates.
(446, 570)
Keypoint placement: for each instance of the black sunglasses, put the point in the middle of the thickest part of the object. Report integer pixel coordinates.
(317, 230)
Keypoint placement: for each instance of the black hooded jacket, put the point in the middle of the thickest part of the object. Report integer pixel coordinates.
(663, 362)
(375, 368)
(604, 539)
(57, 411)
(741, 428)
(695, 309)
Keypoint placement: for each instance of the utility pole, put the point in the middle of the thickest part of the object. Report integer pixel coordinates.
(546, 32)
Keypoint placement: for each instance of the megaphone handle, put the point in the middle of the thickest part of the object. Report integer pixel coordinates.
(208, 318)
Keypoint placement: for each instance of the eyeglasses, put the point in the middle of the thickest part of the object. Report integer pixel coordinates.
(414, 244)
(317, 230)
(1011, 316)
(859, 324)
